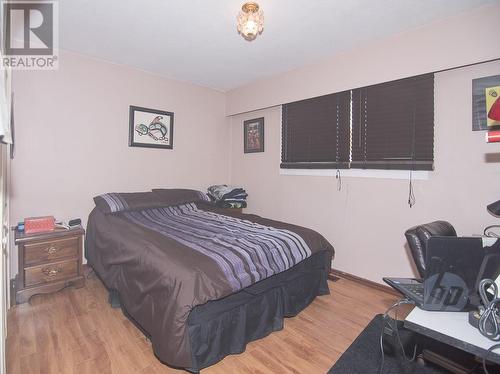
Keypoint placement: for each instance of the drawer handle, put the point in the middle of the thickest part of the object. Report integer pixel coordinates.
(51, 250)
(51, 272)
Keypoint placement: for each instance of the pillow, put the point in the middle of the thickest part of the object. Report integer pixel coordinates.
(121, 202)
(177, 196)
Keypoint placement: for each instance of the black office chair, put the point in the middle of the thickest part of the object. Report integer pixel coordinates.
(418, 236)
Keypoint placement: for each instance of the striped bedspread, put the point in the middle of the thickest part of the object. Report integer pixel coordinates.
(246, 252)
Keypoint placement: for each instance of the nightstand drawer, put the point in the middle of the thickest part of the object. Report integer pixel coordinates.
(42, 252)
(50, 272)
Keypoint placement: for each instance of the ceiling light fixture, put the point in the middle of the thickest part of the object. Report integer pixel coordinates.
(250, 20)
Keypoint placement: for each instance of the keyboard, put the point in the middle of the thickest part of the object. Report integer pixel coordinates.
(416, 290)
(411, 288)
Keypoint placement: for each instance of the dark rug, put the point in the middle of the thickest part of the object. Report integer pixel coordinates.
(363, 355)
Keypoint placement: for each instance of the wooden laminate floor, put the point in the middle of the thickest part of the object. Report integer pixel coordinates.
(76, 331)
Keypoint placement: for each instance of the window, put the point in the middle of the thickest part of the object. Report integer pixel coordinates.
(315, 133)
(384, 126)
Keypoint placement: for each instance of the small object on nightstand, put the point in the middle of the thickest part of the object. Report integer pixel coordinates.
(39, 224)
(61, 225)
(48, 261)
(75, 222)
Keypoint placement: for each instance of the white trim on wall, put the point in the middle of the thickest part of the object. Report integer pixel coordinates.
(360, 173)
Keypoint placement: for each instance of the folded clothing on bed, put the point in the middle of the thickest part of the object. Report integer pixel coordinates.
(231, 204)
(226, 196)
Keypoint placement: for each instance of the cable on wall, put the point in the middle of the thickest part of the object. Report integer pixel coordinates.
(338, 177)
(411, 195)
(412, 200)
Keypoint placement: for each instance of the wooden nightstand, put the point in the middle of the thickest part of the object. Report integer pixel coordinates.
(48, 262)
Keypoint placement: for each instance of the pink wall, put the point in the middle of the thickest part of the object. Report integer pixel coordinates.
(72, 137)
(451, 42)
(72, 142)
(366, 220)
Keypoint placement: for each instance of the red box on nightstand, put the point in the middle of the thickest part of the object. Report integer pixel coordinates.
(38, 224)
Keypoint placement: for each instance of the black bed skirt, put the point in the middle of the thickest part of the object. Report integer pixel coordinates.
(223, 327)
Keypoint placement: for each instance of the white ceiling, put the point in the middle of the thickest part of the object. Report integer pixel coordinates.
(196, 40)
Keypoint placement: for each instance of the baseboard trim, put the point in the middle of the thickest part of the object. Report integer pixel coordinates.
(363, 281)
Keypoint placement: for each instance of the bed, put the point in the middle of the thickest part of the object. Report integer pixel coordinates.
(198, 281)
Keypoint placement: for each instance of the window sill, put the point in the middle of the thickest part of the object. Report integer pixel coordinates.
(360, 173)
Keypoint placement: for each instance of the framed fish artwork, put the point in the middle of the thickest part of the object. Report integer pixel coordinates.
(150, 128)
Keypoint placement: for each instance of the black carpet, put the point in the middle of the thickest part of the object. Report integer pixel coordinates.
(363, 355)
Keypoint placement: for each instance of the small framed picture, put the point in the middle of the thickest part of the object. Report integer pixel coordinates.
(253, 133)
(150, 128)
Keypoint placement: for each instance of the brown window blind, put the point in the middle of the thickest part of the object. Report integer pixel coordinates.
(393, 125)
(384, 126)
(316, 133)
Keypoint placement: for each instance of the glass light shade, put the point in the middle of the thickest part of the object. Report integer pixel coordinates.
(250, 21)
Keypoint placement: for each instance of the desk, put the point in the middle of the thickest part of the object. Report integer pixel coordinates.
(451, 328)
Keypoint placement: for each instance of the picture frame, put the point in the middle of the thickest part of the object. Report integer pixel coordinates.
(150, 128)
(253, 135)
(485, 100)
